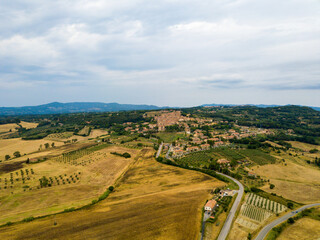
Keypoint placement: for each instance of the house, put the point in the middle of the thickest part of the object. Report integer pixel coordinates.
(210, 205)
(223, 161)
(252, 174)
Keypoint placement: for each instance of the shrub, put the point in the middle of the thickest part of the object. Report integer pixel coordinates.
(290, 220)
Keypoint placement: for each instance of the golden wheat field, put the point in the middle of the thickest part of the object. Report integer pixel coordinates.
(150, 201)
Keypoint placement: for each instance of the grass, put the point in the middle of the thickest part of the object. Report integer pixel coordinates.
(143, 206)
(170, 137)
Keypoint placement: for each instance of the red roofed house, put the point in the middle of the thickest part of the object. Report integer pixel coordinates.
(210, 205)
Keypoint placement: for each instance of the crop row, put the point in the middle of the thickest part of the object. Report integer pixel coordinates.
(265, 203)
(255, 213)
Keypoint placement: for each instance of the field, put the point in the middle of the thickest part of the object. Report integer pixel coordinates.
(9, 146)
(169, 137)
(51, 186)
(257, 156)
(302, 180)
(254, 212)
(85, 131)
(228, 153)
(303, 229)
(198, 159)
(150, 201)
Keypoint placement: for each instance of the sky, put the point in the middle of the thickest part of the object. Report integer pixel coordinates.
(166, 52)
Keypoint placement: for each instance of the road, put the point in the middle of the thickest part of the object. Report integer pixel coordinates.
(263, 233)
(159, 150)
(227, 225)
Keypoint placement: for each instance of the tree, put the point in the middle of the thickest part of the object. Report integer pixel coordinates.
(249, 236)
(290, 205)
(272, 186)
(290, 220)
(52, 144)
(111, 188)
(46, 145)
(7, 157)
(16, 154)
(126, 155)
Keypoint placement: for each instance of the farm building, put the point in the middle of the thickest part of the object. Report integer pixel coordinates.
(223, 161)
(210, 205)
(252, 174)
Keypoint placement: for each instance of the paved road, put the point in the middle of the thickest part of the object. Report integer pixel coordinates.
(263, 233)
(227, 225)
(159, 150)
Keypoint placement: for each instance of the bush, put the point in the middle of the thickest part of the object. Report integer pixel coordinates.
(29, 219)
(290, 205)
(290, 220)
(126, 155)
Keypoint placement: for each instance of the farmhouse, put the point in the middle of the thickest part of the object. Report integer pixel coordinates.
(223, 161)
(252, 174)
(210, 205)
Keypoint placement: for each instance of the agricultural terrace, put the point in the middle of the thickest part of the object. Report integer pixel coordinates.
(52, 186)
(143, 206)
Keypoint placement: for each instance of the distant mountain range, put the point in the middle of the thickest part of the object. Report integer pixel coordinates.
(256, 105)
(56, 107)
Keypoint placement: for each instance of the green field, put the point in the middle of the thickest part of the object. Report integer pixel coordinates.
(228, 153)
(169, 137)
(198, 159)
(258, 156)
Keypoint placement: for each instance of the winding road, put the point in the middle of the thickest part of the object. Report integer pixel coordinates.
(263, 233)
(227, 224)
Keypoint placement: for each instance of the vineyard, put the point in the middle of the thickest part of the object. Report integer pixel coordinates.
(228, 153)
(265, 203)
(198, 159)
(255, 213)
(258, 209)
(257, 156)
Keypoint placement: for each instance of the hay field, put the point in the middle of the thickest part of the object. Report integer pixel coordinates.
(12, 126)
(304, 146)
(4, 128)
(151, 201)
(302, 181)
(9, 146)
(303, 229)
(91, 181)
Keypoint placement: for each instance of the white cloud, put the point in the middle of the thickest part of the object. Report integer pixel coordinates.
(193, 47)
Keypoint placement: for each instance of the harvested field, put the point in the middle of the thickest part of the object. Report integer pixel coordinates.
(303, 181)
(70, 185)
(303, 229)
(143, 206)
(9, 146)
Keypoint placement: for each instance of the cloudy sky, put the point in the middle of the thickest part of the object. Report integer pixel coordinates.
(166, 52)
